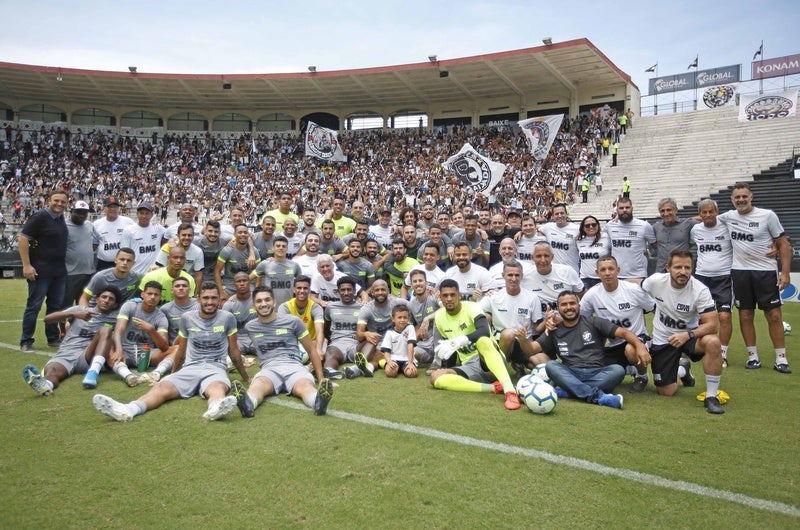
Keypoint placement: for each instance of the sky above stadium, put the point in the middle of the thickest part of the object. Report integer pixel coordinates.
(288, 36)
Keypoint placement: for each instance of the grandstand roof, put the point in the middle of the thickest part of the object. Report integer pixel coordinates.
(559, 68)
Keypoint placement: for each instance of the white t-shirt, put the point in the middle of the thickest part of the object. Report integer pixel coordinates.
(628, 244)
(397, 343)
(677, 310)
(146, 244)
(625, 306)
(589, 252)
(308, 264)
(562, 240)
(496, 272)
(433, 277)
(476, 278)
(752, 237)
(110, 235)
(327, 291)
(714, 250)
(561, 278)
(513, 312)
(525, 247)
(195, 261)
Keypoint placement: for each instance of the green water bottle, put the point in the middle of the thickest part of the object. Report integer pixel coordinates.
(144, 359)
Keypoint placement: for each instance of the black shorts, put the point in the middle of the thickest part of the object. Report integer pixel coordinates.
(665, 361)
(721, 291)
(756, 288)
(616, 354)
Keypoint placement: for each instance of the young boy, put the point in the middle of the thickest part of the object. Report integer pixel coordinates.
(398, 343)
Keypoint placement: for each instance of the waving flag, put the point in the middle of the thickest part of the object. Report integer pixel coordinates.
(323, 143)
(541, 132)
(475, 170)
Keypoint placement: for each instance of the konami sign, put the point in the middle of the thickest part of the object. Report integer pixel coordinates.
(776, 67)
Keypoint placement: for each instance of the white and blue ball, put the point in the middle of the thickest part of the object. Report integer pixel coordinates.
(539, 397)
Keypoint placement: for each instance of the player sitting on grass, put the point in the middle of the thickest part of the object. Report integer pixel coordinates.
(138, 324)
(398, 343)
(578, 341)
(481, 365)
(275, 337)
(78, 345)
(205, 340)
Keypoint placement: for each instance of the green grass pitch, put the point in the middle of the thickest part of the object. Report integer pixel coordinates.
(398, 454)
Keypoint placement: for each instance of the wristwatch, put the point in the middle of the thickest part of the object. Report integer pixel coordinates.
(691, 335)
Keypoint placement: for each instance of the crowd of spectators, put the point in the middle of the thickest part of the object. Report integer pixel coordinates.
(397, 168)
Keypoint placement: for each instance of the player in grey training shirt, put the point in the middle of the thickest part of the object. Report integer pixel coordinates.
(181, 304)
(241, 306)
(76, 348)
(277, 273)
(276, 338)
(120, 277)
(206, 338)
(341, 320)
(373, 320)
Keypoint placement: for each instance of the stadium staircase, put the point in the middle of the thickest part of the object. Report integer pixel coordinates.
(774, 188)
(688, 156)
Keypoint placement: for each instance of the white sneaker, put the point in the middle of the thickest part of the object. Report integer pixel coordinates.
(220, 409)
(111, 408)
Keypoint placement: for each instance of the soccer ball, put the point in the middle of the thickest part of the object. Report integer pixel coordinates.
(540, 371)
(787, 328)
(539, 397)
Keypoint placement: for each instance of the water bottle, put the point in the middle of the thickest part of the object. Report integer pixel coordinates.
(143, 360)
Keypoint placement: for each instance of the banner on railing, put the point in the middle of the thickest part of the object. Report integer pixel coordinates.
(776, 67)
(756, 107)
(723, 75)
(718, 96)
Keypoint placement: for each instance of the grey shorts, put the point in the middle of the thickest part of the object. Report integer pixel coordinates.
(284, 376)
(196, 378)
(348, 347)
(474, 370)
(75, 364)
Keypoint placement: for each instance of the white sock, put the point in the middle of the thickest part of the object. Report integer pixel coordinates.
(98, 361)
(136, 408)
(752, 353)
(164, 366)
(213, 402)
(780, 356)
(254, 400)
(50, 384)
(681, 371)
(122, 370)
(310, 399)
(712, 384)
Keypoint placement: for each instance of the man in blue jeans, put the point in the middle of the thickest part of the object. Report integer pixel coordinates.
(43, 250)
(578, 341)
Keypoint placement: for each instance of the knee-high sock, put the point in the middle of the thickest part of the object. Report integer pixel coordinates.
(460, 384)
(495, 362)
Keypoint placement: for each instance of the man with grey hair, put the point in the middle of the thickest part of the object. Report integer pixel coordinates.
(671, 234)
(714, 260)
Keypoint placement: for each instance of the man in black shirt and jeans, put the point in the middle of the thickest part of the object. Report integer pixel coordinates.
(43, 250)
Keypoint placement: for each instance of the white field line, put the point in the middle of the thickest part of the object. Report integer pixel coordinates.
(576, 463)
(15, 347)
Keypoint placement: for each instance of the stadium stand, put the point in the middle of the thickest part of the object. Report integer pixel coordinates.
(690, 155)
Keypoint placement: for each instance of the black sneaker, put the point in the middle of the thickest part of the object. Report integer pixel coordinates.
(363, 364)
(26, 347)
(54, 343)
(324, 395)
(688, 379)
(713, 405)
(243, 401)
(334, 375)
(753, 364)
(782, 368)
(639, 384)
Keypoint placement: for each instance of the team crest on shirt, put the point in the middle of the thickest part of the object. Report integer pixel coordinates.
(587, 337)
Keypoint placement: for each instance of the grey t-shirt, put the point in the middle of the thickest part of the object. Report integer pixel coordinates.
(580, 346)
(174, 312)
(244, 312)
(277, 341)
(343, 320)
(207, 338)
(105, 277)
(81, 332)
(133, 338)
(235, 260)
(378, 318)
(279, 276)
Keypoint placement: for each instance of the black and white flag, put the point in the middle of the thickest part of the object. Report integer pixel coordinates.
(475, 170)
(540, 133)
(323, 143)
